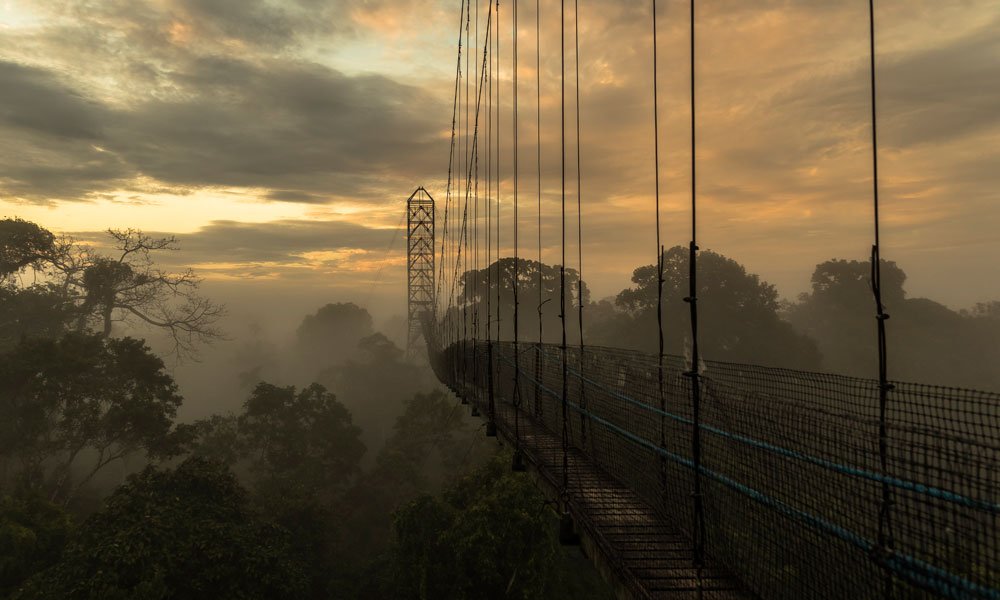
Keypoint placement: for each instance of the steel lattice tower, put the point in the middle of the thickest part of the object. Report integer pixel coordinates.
(419, 266)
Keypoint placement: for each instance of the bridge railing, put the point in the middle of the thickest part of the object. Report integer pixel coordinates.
(792, 482)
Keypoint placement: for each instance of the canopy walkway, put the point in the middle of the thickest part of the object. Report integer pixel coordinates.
(790, 473)
(690, 478)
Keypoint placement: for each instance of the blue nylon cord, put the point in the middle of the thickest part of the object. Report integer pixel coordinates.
(941, 581)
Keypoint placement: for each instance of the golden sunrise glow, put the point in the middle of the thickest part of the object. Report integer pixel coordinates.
(335, 115)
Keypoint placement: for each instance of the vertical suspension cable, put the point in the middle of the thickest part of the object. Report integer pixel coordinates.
(692, 300)
(489, 228)
(562, 266)
(885, 539)
(491, 425)
(475, 146)
(516, 397)
(661, 395)
(451, 161)
(579, 222)
(475, 245)
(465, 236)
(538, 156)
(496, 219)
(475, 203)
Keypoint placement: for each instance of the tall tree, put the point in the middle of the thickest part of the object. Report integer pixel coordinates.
(23, 244)
(489, 536)
(129, 286)
(125, 286)
(539, 290)
(330, 336)
(375, 384)
(928, 342)
(431, 443)
(186, 533)
(302, 443)
(72, 406)
(738, 314)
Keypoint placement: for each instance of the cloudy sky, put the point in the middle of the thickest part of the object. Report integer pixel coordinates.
(279, 138)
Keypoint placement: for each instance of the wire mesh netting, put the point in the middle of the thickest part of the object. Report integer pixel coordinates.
(791, 475)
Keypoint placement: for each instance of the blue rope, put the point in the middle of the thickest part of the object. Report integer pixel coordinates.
(939, 580)
(902, 484)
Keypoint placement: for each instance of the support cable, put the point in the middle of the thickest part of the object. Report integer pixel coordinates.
(475, 144)
(567, 534)
(692, 300)
(579, 217)
(562, 266)
(491, 426)
(451, 161)
(475, 244)
(538, 156)
(465, 232)
(885, 541)
(518, 461)
(661, 394)
(489, 224)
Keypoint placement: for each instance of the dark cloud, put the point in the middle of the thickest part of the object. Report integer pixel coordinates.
(53, 139)
(277, 241)
(308, 131)
(295, 196)
(37, 101)
(945, 92)
(277, 123)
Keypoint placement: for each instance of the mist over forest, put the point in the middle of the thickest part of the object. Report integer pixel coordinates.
(312, 461)
(152, 445)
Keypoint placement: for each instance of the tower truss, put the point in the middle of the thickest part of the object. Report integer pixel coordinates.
(419, 267)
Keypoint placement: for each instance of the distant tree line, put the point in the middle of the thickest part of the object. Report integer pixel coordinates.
(742, 318)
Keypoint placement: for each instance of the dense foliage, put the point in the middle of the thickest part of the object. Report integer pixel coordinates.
(489, 536)
(185, 533)
(74, 404)
(370, 482)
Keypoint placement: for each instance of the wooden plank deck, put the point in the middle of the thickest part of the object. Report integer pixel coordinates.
(632, 546)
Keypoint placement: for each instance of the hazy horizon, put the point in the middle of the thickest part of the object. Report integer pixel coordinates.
(280, 141)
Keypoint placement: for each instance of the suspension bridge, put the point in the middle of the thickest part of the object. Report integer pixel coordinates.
(684, 477)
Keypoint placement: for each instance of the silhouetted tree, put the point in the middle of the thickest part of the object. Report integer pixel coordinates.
(331, 336)
(302, 443)
(37, 311)
(130, 286)
(375, 383)
(23, 244)
(738, 314)
(928, 342)
(299, 453)
(480, 288)
(82, 402)
(125, 287)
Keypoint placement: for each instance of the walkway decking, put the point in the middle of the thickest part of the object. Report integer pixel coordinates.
(634, 548)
